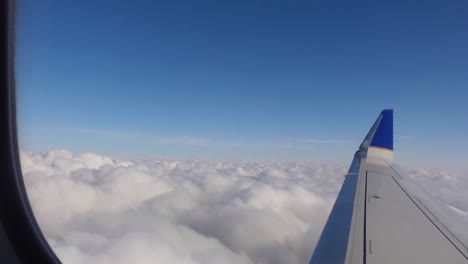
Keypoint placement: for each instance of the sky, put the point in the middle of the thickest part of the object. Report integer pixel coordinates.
(292, 80)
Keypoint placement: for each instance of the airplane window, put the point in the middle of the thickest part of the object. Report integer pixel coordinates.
(221, 131)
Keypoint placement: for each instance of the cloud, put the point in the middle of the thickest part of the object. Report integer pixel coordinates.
(97, 209)
(181, 141)
(92, 131)
(326, 141)
(193, 141)
(405, 138)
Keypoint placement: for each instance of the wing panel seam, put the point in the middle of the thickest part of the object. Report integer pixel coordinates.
(399, 185)
(365, 219)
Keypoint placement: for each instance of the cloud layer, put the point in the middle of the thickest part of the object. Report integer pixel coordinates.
(96, 209)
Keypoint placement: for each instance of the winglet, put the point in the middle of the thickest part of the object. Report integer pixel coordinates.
(381, 138)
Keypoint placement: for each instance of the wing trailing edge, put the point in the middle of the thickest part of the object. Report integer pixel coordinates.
(378, 146)
(376, 218)
(332, 246)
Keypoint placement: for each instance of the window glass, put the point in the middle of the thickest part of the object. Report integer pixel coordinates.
(220, 131)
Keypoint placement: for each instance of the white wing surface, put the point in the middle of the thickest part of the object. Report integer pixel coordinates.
(376, 220)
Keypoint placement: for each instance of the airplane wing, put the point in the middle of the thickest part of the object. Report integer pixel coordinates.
(376, 219)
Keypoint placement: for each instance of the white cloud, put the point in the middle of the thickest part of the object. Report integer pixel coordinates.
(405, 138)
(96, 209)
(326, 141)
(194, 141)
(181, 141)
(92, 131)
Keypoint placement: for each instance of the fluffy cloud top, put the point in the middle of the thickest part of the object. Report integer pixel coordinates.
(95, 209)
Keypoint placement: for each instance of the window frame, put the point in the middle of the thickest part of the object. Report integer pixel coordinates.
(21, 240)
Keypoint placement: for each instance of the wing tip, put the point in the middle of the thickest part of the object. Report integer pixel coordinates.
(383, 137)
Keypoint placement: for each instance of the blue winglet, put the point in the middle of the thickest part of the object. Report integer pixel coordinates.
(383, 137)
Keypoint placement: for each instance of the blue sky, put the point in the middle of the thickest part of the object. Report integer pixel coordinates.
(243, 79)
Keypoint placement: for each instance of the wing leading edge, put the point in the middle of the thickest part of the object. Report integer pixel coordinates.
(375, 219)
